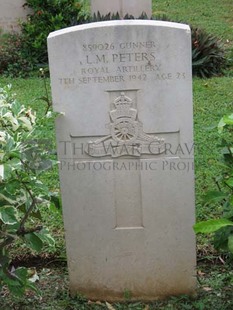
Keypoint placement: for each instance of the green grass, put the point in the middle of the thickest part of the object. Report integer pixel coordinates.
(216, 17)
(212, 99)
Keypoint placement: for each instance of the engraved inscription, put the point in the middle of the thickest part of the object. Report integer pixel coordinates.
(126, 135)
(123, 62)
(122, 45)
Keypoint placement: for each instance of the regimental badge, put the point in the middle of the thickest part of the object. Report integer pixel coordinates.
(126, 134)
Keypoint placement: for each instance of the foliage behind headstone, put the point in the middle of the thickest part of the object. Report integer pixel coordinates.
(208, 55)
(13, 57)
(48, 16)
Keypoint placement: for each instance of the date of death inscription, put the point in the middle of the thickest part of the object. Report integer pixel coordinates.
(125, 62)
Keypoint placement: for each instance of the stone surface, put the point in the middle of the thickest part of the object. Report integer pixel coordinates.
(11, 11)
(126, 157)
(123, 7)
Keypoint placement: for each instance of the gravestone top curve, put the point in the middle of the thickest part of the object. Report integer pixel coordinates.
(119, 23)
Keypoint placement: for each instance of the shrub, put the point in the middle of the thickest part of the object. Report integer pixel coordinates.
(48, 16)
(13, 62)
(208, 56)
(22, 195)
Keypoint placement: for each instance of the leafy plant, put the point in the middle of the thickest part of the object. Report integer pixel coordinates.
(23, 158)
(47, 16)
(208, 56)
(222, 228)
(13, 62)
(98, 17)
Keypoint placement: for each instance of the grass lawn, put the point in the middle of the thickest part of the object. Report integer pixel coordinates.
(212, 99)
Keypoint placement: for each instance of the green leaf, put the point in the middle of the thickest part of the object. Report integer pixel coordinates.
(46, 237)
(8, 215)
(210, 226)
(231, 201)
(7, 171)
(21, 273)
(229, 182)
(36, 215)
(1, 173)
(33, 241)
(230, 243)
(6, 198)
(13, 186)
(221, 125)
(18, 277)
(55, 199)
(19, 283)
(228, 119)
(26, 122)
(214, 196)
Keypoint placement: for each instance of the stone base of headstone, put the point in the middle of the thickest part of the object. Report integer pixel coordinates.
(123, 7)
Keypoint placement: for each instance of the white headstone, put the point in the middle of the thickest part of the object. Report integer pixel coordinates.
(126, 157)
(11, 11)
(123, 7)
